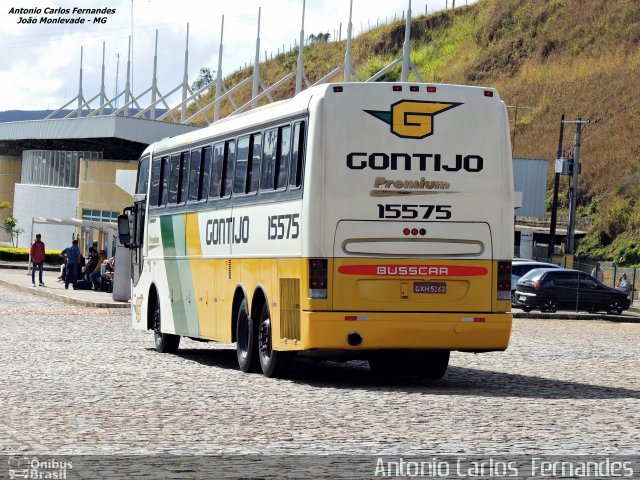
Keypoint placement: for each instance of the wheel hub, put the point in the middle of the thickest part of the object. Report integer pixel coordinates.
(264, 337)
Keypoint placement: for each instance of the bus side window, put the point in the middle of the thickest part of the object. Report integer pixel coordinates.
(228, 168)
(174, 178)
(242, 161)
(269, 152)
(203, 188)
(253, 168)
(216, 170)
(184, 177)
(297, 156)
(155, 182)
(164, 186)
(284, 150)
(142, 182)
(194, 175)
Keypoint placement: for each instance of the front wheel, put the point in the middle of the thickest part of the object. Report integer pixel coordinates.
(274, 363)
(165, 342)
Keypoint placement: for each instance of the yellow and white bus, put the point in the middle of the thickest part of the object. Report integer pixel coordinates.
(355, 220)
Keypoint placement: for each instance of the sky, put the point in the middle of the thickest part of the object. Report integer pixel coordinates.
(40, 62)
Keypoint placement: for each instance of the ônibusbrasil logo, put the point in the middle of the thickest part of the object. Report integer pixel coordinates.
(412, 118)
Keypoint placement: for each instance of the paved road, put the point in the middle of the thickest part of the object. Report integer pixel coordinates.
(76, 380)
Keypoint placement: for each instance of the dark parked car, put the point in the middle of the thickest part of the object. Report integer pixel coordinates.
(519, 267)
(552, 289)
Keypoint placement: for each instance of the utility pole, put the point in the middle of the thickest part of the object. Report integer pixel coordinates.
(556, 187)
(573, 189)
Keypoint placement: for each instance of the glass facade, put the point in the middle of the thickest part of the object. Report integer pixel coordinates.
(53, 168)
(99, 215)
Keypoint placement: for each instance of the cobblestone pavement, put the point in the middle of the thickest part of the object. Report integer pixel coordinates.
(76, 380)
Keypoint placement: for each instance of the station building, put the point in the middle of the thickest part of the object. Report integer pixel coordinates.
(70, 178)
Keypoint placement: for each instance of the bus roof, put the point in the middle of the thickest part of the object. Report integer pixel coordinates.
(298, 105)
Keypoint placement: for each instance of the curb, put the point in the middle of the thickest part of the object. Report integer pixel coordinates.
(20, 266)
(579, 316)
(62, 298)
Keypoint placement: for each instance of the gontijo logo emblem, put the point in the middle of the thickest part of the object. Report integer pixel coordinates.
(411, 118)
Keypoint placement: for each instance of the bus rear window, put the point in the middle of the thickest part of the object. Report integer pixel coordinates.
(297, 156)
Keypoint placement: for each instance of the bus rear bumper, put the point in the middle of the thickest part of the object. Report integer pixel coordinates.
(450, 331)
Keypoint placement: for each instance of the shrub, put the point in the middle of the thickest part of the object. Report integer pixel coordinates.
(12, 254)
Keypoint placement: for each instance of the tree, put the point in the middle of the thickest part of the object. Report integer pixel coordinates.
(205, 77)
(10, 225)
(320, 38)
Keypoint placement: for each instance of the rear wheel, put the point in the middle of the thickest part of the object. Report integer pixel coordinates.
(430, 364)
(165, 342)
(549, 305)
(273, 363)
(247, 340)
(615, 307)
(435, 364)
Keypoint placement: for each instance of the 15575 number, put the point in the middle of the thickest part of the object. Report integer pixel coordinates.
(410, 212)
(283, 226)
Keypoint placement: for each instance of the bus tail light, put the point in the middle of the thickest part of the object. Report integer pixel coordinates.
(504, 280)
(317, 278)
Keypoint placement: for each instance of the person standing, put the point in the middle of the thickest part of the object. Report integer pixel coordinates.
(37, 259)
(597, 272)
(73, 262)
(623, 284)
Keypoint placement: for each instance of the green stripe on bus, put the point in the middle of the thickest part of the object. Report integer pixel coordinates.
(178, 271)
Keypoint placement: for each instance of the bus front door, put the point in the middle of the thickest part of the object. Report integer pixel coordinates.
(138, 239)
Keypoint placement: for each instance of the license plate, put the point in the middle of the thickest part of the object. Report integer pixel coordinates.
(522, 298)
(429, 287)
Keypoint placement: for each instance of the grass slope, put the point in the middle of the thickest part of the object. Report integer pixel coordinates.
(577, 57)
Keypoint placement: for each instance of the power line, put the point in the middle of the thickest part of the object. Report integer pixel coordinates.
(602, 122)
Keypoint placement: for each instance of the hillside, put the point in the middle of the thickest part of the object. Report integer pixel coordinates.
(547, 57)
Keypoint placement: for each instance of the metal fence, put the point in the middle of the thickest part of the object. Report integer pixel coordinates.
(571, 291)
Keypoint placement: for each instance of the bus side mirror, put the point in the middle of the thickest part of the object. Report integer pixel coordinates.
(124, 234)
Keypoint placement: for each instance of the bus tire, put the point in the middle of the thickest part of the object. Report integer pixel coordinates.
(165, 342)
(385, 364)
(428, 364)
(247, 340)
(433, 364)
(274, 364)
